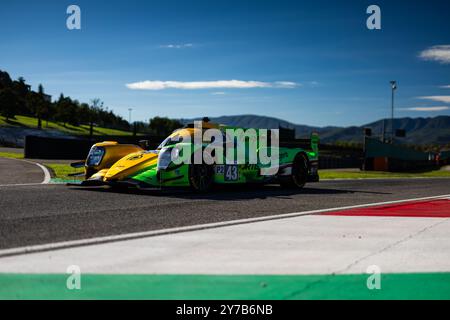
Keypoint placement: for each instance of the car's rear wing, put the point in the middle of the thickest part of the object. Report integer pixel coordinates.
(307, 144)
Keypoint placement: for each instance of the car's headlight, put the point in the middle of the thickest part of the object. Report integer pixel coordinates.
(164, 158)
(175, 154)
(95, 156)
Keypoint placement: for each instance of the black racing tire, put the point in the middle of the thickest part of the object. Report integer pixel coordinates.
(201, 177)
(299, 175)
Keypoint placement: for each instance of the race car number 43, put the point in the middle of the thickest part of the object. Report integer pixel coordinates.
(231, 173)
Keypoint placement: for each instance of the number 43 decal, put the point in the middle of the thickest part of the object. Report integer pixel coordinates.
(231, 173)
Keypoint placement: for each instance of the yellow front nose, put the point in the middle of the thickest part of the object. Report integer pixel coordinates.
(131, 164)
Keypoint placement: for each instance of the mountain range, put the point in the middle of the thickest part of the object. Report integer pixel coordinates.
(421, 131)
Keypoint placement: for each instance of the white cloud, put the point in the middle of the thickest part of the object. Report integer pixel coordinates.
(437, 53)
(176, 46)
(218, 93)
(427, 109)
(445, 87)
(222, 84)
(285, 84)
(314, 83)
(444, 99)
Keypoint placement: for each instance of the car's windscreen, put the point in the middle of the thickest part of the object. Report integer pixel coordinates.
(169, 141)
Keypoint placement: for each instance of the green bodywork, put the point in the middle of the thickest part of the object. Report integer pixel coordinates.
(178, 175)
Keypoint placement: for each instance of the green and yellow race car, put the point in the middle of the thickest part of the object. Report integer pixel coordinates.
(202, 155)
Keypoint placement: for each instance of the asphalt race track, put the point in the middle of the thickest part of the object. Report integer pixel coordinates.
(48, 213)
(317, 243)
(19, 172)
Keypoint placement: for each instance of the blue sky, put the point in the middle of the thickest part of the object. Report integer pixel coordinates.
(308, 62)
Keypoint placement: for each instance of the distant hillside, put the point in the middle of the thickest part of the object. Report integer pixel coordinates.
(418, 130)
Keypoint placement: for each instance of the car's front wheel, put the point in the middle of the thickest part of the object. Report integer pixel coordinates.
(201, 177)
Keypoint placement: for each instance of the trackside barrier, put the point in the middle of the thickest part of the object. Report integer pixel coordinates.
(381, 156)
(74, 149)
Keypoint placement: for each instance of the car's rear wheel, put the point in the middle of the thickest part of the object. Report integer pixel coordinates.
(201, 177)
(297, 179)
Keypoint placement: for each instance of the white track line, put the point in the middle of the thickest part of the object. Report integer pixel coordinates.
(21, 184)
(47, 176)
(136, 235)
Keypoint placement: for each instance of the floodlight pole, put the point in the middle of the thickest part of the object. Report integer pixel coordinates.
(394, 87)
(129, 115)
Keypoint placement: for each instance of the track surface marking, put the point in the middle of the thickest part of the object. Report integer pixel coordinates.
(439, 208)
(22, 172)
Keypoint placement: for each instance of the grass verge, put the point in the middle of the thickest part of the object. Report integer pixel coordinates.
(11, 155)
(30, 122)
(338, 174)
(61, 172)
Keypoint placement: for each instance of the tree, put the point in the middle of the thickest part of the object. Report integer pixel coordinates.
(8, 103)
(5, 80)
(63, 112)
(40, 105)
(83, 113)
(21, 87)
(163, 126)
(21, 90)
(74, 108)
(33, 102)
(96, 108)
(140, 126)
